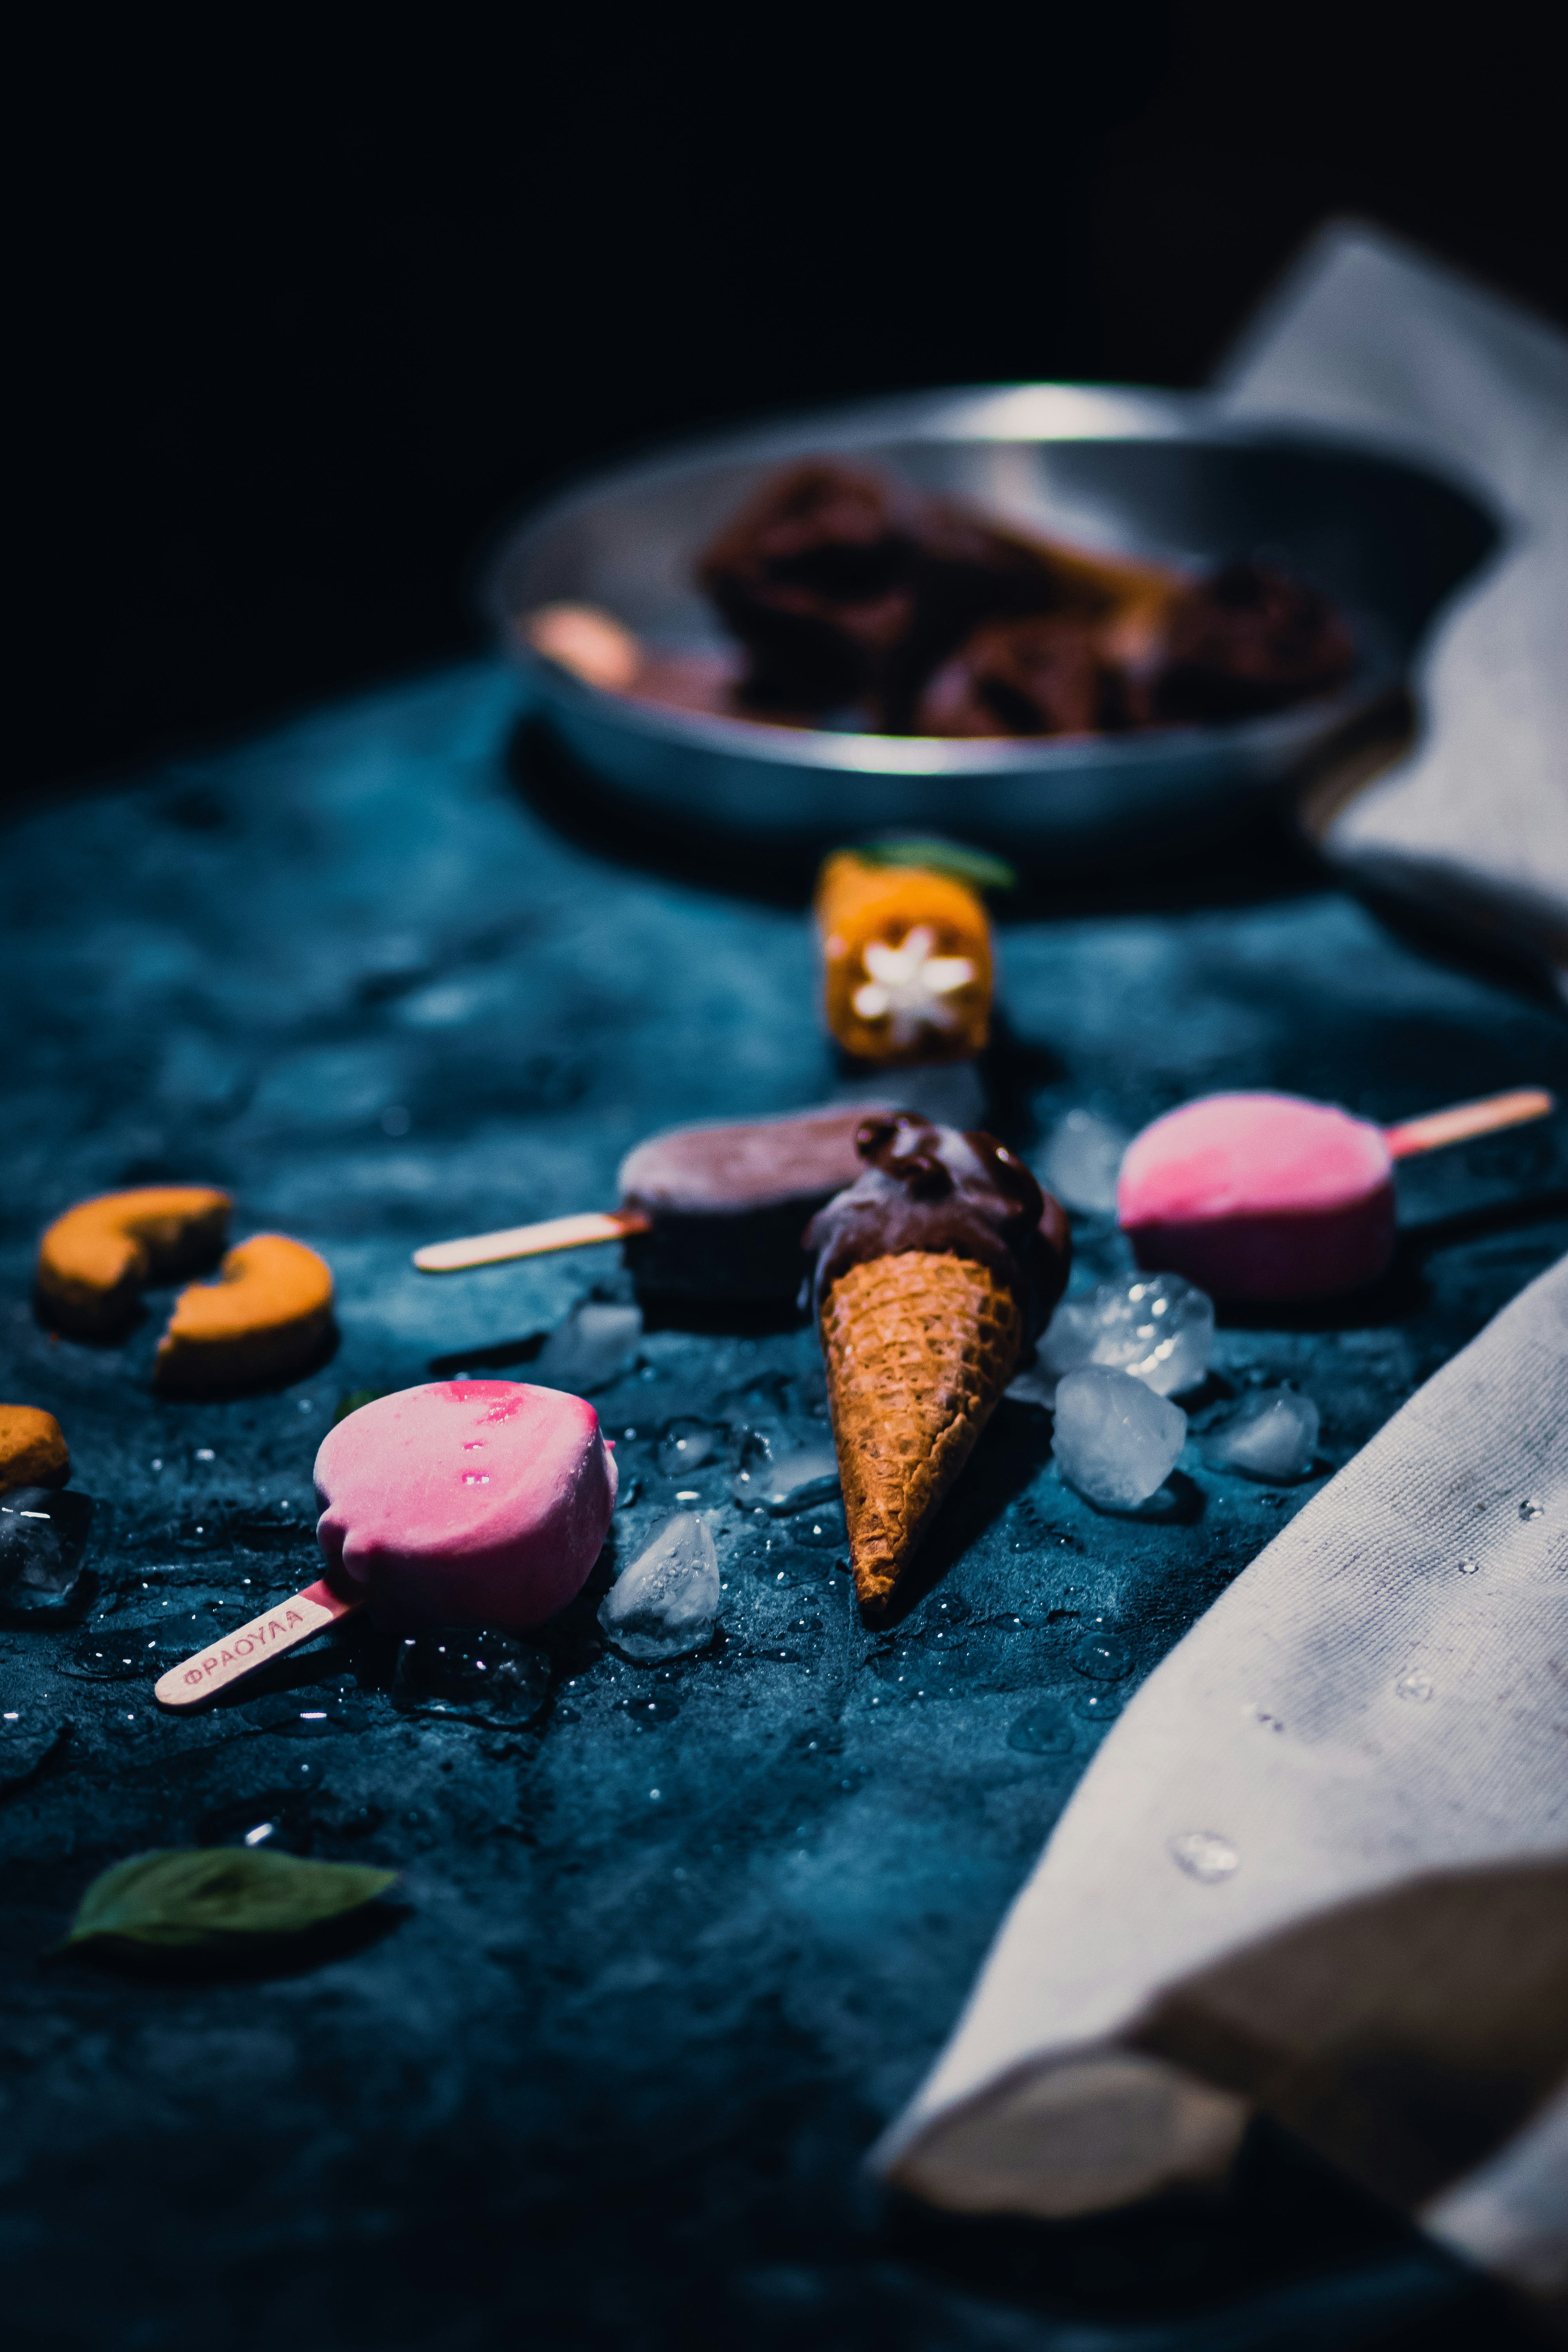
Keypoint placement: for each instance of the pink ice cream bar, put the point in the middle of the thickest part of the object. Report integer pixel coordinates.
(1261, 1196)
(465, 1503)
(1267, 1196)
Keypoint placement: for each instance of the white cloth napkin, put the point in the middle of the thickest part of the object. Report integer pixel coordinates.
(1369, 336)
(1321, 1865)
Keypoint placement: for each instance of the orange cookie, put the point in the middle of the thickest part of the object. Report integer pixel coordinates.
(94, 1260)
(262, 1319)
(32, 1451)
(907, 961)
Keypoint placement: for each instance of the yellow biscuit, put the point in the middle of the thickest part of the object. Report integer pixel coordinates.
(262, 1319)
(94, 1260)
(33, 1450)
(907, 961)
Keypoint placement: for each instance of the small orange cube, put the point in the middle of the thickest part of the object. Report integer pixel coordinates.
(907, 961)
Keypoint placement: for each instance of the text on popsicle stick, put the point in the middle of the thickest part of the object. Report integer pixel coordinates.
(197, 1679)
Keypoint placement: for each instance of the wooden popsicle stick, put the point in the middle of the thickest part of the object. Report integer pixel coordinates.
(529, 1240)
(1466, 1119)
(199, 1678)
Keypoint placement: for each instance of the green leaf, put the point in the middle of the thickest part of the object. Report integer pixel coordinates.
(352, 1400)
(975, 866)
(210, 1897)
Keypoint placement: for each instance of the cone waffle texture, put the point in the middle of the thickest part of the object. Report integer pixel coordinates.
(919, 1347)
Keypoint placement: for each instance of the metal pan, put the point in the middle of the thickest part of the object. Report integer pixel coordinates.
(1163, 475)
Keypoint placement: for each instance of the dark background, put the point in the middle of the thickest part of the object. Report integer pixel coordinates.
(305, 313)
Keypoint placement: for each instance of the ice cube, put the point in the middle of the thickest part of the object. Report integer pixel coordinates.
(666, 1603)
(685, 1445)
(42, 1534)
(1115, 1440)
(1083, 1160)
(1157, 1326)
(28, 1736)
(475, 1675)
(589, 1348)
(1274, 1435)
(781, 1474)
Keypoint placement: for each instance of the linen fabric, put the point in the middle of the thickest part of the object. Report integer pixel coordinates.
(1370, 337)
(1320, 1866)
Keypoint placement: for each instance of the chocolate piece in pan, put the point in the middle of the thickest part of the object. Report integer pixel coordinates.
(846, 587)
(1244, 641)
(727, 1205)
(1042, 675)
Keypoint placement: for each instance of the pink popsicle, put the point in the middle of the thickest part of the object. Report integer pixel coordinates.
(465, 1503)
(1261, 1196)
(1267, 1196)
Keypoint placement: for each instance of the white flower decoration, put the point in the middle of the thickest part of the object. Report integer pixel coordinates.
(908, 986)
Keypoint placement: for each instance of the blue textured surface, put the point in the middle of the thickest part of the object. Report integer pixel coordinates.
(672, 1954)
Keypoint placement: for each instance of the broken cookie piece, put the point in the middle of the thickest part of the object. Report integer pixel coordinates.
(33, 1450)
(263, 1319)
(95, 1261)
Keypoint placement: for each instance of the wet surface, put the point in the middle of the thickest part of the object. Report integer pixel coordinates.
(678, 1938)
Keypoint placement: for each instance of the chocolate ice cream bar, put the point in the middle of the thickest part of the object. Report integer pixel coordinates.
(711, 1211)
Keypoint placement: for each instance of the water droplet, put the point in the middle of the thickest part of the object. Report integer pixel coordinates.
(1469, 1567)
(1531, 1508)
(1204, 1855)
(1097, 1706)
(1102, 1659)
(1415, 1685)
(1042, 1730)
(663, 1707)
(655, 1794)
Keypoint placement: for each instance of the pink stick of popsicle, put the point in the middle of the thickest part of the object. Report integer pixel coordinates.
(199, 1678)
(1269, 1197)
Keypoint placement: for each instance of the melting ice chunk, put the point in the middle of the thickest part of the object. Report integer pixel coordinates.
(27, 1736)
(42, 1534)
(665, 1603)
(779, 1475)
(685, 1445)
(1155, 1326)
(590, 1348)
(473, 1676)
(1115, 1440)
(1274, 1435)
(1083, 1160)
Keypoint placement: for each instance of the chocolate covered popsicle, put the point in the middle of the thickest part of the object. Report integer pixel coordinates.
(935, 1271)
(713, 1212)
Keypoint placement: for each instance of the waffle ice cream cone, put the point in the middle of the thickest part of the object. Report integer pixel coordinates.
(919, 1346)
